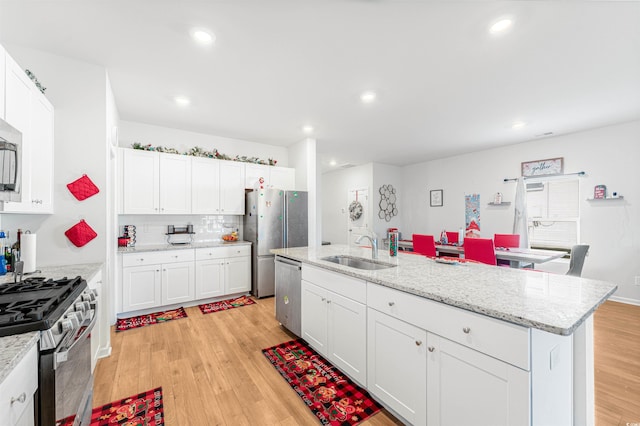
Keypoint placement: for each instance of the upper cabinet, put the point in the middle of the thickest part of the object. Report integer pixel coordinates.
(277, 177)
(2, 78)
(158, 183)
(26, 109)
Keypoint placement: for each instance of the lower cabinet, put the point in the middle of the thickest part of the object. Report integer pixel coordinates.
(17, 390)
(178, 283)
(336, 327)
(397, 366)
(222, 270)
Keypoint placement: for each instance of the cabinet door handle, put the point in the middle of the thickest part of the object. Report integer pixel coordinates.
(141, 259)
(392, 303)
(431, 348)
(22, 398)
(157, 270)
(418, 342)
(323, 299)
(328, 301)
(466, 330)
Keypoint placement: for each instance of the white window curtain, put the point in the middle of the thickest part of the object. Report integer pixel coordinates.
(553, 209)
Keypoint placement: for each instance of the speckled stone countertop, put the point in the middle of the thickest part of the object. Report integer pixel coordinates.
(13, 348)
(164, 247)
(550, 302)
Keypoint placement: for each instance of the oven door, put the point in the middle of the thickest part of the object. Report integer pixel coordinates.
(66, 379)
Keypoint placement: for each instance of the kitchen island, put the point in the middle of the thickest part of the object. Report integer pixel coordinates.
(487, 344)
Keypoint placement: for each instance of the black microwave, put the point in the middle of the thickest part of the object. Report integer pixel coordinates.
(10, 162)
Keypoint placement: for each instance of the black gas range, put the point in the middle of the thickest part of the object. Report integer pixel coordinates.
(64, 311)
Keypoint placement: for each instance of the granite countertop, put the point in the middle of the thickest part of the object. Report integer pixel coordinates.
(550, 302)
(13, 349)
(194, 245)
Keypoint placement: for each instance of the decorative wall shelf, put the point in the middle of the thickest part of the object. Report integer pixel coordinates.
(504, 203)
(619, 197)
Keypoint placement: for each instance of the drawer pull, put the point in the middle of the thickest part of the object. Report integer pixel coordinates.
(418, 342)
(328, 301)
(141, 260)
(323, 299)
(22, 398)
(431, 348)
(392, 303)
(466, 330)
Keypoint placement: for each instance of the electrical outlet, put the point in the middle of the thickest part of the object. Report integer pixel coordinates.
(637, 280)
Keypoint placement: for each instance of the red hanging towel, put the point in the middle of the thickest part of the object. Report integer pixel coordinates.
(83, 188)
(80, 233)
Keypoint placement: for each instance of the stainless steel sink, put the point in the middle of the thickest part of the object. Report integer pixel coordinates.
(358, 262)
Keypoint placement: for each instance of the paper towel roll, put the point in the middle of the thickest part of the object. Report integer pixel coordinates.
(28, 252)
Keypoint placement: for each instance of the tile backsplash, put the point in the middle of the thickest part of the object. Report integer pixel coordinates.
(151, 230)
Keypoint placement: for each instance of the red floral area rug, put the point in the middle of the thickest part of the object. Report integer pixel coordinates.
(332, 397)
(223, 305)
(142, 409)
(143, 320)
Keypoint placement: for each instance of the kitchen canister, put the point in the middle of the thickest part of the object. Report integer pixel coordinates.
(28, 251)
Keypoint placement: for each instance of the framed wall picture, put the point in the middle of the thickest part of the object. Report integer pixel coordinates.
(550, 166)
(436, 198)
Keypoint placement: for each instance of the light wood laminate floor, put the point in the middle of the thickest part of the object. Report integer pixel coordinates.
(212, 370)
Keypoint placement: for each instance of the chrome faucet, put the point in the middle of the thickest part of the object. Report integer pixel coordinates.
(374, 244)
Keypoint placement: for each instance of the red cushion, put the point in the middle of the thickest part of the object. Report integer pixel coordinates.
(83, 188)
(80, 233)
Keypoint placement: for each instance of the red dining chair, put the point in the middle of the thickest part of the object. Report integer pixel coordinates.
(480, 249)
(506, 240)
(424, 244)
(452, 237)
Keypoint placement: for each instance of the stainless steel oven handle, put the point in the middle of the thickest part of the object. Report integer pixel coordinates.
(62, 356)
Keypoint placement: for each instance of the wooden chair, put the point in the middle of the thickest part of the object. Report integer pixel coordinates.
(480, 249)
(507, 241)
(424, 244)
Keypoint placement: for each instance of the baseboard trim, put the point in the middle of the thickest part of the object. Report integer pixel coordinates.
(104, 352)
(627, 300)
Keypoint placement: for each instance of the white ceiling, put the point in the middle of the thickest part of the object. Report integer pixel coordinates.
(444, 84)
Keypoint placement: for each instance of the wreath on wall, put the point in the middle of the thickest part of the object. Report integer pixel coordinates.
(355, 210)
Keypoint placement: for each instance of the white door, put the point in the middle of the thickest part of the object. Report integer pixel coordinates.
(141, 182)
(283, 178)
(178, 282)
(358, 216)
(237, 274)
(468, 387)
(175, 184)
(42, 154)
(209, 278)
(205, 186)
(397, 365)
(231, 187)
(314, 316)
(347, 336)
(141, 287)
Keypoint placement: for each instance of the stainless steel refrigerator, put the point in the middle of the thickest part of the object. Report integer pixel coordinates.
(274, 218)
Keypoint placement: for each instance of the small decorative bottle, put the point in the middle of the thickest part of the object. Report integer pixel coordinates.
(460, 236)
(393, 244)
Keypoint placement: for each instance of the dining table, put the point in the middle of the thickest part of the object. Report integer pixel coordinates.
(517, 257)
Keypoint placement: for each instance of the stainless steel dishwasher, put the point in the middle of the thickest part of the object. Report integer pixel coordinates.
(288, 293)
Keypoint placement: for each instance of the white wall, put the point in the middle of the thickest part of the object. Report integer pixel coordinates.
(184, 140)
(608, 155)
(386, 175)
(77, 92)
(302, 157)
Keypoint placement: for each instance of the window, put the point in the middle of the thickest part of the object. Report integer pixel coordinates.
(553, 211)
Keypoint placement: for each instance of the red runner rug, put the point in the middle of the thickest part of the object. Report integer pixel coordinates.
(332, 397)
(143, 320)
(142, 409)
(223, 305)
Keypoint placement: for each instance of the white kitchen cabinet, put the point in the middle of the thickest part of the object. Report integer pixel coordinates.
(334, 320)
(178, 282)
(17, 390)
(222, 270)
(153, 279)
(465, 386)
(175, 184)
(2, 81)
(205, 186)
(231, 188)
(31, 113)
(397, 365)
(277, 177)
(156, 183)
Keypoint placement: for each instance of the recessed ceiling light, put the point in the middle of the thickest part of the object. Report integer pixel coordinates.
(368, 97)
(182, 101)
(500, 26)
(203, 37)
(332, 163)
(518, 125)
(307, 129)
